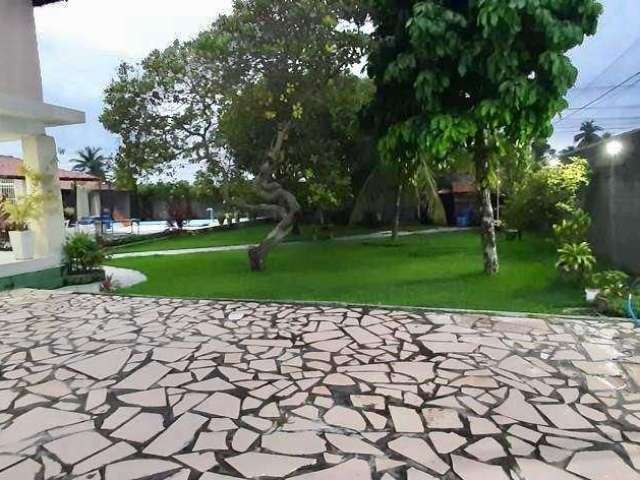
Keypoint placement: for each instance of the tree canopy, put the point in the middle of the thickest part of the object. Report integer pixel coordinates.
(482, 76)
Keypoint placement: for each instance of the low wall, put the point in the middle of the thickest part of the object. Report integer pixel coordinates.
(46, 279)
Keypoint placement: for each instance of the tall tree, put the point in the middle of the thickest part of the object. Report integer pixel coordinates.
(165, 111)
(281, 54)
(588, 134)
(482, 75)
(91, 160)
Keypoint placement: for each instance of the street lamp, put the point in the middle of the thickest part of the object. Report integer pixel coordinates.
(614, 148)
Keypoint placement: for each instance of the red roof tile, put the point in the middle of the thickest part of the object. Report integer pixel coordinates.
(11, 167)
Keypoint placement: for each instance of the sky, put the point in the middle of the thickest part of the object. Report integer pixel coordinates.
(83, 41)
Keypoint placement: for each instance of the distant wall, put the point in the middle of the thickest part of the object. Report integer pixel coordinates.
(614, 203)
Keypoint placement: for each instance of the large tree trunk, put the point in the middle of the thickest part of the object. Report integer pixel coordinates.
(488, 225)
(279, 203)
(395, 229)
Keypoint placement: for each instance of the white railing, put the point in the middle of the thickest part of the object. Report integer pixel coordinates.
(7, 192)
(7, 189)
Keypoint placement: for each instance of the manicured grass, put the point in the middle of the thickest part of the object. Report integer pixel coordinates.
(244, 235)
(440, 270)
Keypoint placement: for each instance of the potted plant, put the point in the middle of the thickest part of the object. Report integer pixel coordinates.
(83, 257)
(19, 213)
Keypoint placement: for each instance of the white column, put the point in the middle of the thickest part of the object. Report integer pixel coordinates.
(20, 73)
(40, 156)
(95, 203)
(82, 202)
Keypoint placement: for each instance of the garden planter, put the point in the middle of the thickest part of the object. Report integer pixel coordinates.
(22, 244)
(85, 278)
(591, 294)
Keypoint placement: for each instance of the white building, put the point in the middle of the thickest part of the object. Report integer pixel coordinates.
(24, 116)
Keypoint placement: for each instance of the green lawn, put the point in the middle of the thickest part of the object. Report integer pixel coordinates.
(441, 270)
(244, 235)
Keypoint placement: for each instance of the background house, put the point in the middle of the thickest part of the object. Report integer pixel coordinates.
(80, 192)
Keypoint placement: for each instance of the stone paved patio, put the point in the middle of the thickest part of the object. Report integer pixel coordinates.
(119, 388)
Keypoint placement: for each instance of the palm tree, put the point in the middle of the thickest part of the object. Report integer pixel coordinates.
(91, 161)
(588, 134)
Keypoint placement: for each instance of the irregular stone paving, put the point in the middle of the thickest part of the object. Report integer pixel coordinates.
(99, 387)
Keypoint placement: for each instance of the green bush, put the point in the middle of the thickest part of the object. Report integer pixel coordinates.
(612, 283)
(576, 261)
(573, 229)
(543, 197)
(82, 254)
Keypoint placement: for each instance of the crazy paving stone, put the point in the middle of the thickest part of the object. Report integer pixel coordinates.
(254, 465)
(596, 465)
(222, 405)
(419, 451)
(37, 421)
(516, 407)
(103, 365)
(531, 469)
(352, 470)
(77, 447)
(471, 470)
(26, 470)
(139, 469)
(406, 420)
(345, 417)
(117, 388)
(140, 428)
(110, 455)
(352, 444)
(175, 438)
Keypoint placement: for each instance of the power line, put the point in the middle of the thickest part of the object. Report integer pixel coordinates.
(621, 107)
(592, 85)
(600, 97)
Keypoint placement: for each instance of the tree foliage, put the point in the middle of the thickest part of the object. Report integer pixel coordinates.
(476, 75)
(165, 111)
(282, 60)
(544, 197)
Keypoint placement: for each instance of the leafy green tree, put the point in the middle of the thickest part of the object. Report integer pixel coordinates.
(588, 134)
(280, 55)
(322, 147)
(475, 75)
(91, 161)
(165, 112)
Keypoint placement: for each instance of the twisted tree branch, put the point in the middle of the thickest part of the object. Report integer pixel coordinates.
(279, 203)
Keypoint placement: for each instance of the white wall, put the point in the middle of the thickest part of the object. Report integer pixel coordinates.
(19, 62)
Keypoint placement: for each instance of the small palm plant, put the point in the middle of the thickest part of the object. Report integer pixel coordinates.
(576, 261)
(25, 209)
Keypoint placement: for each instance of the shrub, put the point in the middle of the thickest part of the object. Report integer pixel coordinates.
(83, 254)
(612, 283)
(540, 200)
(576, 261)
(573, 229)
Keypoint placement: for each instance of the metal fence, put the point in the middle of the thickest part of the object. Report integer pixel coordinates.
(7, 192)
